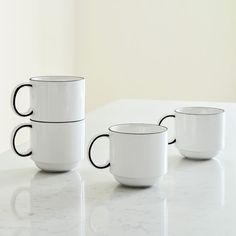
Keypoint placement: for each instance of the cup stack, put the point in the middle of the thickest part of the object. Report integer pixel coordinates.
(57, 113)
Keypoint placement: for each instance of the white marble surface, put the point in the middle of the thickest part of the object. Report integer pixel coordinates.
(195, 197)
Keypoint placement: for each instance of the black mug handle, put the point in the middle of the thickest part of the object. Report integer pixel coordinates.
(13, 137)
(162, 119)
(13, 100)
(90, 149)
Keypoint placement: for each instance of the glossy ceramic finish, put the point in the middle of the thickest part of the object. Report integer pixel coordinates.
(200, 132)
(138, 153)
(194, 198)
(57, 98)
(57, 146)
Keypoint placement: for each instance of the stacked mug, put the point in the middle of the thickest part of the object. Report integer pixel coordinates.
(57, 126)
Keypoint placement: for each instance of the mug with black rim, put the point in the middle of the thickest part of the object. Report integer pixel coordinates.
(138, 153)
(200, 131)
(53, 98)
(55, 147)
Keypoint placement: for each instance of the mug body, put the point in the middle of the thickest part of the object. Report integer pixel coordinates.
(200, 131)
(57, 146)
(57, 98)
(138, 153)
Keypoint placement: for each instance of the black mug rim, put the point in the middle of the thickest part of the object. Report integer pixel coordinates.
(217, 111)
(50, 78)
(165, 129)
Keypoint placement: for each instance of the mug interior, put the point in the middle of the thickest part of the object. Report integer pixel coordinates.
(199, 110)
(56, 78)
(137, 128)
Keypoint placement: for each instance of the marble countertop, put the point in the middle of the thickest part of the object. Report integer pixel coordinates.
(195, 198)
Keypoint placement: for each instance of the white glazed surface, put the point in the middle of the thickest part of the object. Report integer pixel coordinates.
(194, 198)
(57, 101)
(137, 182)
(138, 156)
(57, 146)
(200, 136)
(56, 98)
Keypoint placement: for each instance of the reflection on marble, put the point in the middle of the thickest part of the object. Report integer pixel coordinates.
(129, 211)
(56, 204)
(196, 196)
(192, 176)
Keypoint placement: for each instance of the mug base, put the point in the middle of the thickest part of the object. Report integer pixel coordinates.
(198, 155)
(54, 167)
(137, 182)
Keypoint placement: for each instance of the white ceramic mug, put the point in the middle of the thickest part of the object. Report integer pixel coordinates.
(200, 131)
(54, 98)
(54, 147)
(138, 153)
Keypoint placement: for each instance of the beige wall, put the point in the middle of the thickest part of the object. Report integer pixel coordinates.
(37, 37)
(158, 49)
(126, 49)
